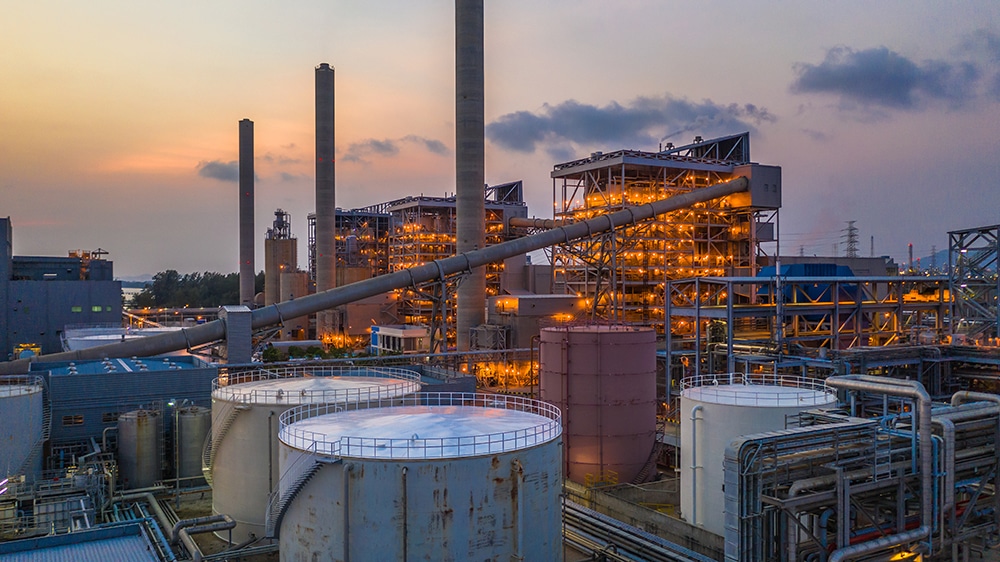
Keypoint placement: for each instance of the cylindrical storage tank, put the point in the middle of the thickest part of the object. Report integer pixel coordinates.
(140, 448)
(294, 285)
(193, 423)
(21, 431)
(603, 379)
(280, 255)
(717, 409)
(242, 456)
(444, 476)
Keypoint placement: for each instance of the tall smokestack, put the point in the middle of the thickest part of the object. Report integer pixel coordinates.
(326, 203)
(246, 213)
(470, 156)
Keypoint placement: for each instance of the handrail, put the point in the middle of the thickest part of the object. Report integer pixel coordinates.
(228, 387)
(420, 447)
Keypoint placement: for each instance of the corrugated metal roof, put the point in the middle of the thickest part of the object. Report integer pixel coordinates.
(125, 542)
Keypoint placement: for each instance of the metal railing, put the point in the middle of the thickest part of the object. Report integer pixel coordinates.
(420, 447)
(227, 386)
(761, 389)
(18, 385)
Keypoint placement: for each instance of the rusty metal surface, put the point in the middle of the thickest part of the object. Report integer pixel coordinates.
(603, 378)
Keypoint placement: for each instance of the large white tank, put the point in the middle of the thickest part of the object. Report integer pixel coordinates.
(140, 448)
(714, 411)
(441, 477)
(21, 431)
(241, 455)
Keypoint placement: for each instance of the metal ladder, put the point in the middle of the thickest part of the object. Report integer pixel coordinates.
(882, 461)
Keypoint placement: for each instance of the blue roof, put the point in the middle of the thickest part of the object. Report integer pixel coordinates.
(119, 542)
(120, 365)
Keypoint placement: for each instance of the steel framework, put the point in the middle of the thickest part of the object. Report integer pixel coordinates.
(972, 263)
(741, 314)
(622, 273)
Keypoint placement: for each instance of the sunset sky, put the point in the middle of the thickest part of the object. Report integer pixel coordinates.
(118, 120)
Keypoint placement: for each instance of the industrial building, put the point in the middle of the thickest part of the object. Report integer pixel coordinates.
(43, 295)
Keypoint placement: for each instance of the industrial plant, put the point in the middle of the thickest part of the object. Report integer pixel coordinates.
(663, 385)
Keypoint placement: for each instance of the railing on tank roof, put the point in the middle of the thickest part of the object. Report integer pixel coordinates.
(226, 386)
(320, 443)
(16, 385)
(760, 389)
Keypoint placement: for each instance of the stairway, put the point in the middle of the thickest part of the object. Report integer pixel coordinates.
(654, 455)
(215, 436)
(36, 447)
(278, 503)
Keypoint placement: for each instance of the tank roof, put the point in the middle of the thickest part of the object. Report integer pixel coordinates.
(738, 389)
(323, 389)
(447, 427)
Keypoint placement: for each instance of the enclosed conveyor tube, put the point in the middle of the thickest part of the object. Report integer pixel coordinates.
(525, 222)
(273, 315)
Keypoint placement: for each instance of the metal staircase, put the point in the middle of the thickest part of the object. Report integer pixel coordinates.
(654, 454)
(278, 503)
(36, 447)
(215, 436)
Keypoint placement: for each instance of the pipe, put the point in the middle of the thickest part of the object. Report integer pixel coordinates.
(915, 391)
(348, 469)
(694, 463)
(948, 436)
(322, 300)
(518, 482)
(192, 547)
(153, 504)
(193, 522)
(969, 396)
(403, 501)
(853, 551)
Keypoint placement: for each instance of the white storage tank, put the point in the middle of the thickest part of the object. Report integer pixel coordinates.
(21, 430)
(442, 477)
(193, 424)
(140, 448)
(714, 411)
(241, 456)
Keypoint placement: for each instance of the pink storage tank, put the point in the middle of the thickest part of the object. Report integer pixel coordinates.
(603, 378)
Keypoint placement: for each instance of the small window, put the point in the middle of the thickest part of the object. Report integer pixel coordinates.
(73, 420)
(110, 417)
(107, 309)
(97, 308)
(76, 309)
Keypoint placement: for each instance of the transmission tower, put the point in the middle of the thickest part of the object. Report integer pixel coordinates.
(851, 239)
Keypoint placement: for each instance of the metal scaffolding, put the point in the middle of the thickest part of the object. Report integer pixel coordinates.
(972, 264)
(622, 273)
(734, 315)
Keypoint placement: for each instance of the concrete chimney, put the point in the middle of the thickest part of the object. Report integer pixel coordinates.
(326, 203)
(246, 214)
(470, 156)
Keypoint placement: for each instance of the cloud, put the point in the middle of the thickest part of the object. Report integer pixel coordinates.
(387, 148)
(815, 135)
(218, 170)
(986, 44)
(640, 123)
(279, 159)
(880, 77)
(287, 177)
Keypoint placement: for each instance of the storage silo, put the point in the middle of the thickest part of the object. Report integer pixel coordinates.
(21, 429)
(714, 411)
(140, 448)
(241, 456)
(603, 379)
(443, 476)
(193, 424)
